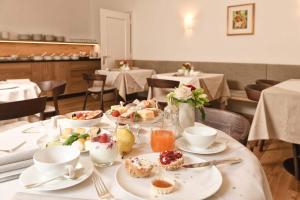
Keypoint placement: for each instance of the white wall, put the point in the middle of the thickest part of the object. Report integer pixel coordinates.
(158, 32)
(71, 18)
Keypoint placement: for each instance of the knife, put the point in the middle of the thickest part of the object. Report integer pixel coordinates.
(231, 161)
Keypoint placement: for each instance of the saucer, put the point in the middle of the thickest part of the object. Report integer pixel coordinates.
(216, 147)
(32, 175)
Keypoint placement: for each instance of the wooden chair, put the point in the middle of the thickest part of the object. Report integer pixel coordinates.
(99, 90)
(233, 124)
(253, 91)
(266, 83)
(17, 109)
(52, 89)
(162, 84)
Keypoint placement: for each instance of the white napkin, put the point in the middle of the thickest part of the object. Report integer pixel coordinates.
(17, 157)
(15, 166)
(27, 196)
(12, 144)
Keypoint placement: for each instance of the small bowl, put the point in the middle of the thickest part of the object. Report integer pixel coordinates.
(72, 123)
(200, 136)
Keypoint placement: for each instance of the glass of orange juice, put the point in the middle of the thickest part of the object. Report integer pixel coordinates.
(162, 140)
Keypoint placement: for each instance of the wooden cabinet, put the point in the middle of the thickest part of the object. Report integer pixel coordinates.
(71, 71)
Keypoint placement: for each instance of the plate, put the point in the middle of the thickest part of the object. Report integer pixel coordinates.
(71, 123)
(216, 147)
(32, 175)
(6, 86)
(196, 183)
(44, 140)
(128, 121)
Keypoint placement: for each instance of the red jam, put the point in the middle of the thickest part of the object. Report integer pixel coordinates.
(166, 157)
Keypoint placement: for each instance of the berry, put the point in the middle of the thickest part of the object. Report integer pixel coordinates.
(103, 138)
(115, 113)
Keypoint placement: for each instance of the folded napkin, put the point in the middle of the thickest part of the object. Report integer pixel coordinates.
(17, 156)
(15, 166)
(28, 196)
(7, 176)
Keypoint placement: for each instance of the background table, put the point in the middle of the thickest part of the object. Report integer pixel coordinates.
(245, 180)
(214, 85)
(127, 82)
(25, 90)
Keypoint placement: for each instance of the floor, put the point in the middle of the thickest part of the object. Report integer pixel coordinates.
(283, 185)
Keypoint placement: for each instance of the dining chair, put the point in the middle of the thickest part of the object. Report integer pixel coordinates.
(52, 88)
(253, 91)
(18, 109)
(99, 90)
(266, 83)
(161, 84)
(233, 124)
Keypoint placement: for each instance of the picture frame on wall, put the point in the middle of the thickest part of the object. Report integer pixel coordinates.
(241, 19)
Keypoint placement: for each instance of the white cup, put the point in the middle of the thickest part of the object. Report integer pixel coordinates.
(56, 161)
(200, 136)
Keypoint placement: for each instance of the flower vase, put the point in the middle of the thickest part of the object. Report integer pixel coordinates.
(186, 115)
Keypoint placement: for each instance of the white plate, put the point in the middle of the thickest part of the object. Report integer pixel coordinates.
(196, 183)
(32, 175)
(216, 147)
(5, 86)
(71, 123)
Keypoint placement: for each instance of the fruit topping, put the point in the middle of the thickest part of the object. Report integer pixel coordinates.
(115, 113)
(166, 157)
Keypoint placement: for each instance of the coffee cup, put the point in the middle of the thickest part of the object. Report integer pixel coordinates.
(56, 161)
(200, 136)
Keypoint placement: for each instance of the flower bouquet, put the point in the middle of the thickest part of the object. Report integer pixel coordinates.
(124, 65)
(185, 69)
(188, 98)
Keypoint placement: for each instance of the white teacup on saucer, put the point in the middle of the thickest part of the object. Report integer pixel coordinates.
(200, 136)
(56, 161)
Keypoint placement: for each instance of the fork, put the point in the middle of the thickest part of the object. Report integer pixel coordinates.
(101, 189)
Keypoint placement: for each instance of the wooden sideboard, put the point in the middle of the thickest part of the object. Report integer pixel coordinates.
(71, 71)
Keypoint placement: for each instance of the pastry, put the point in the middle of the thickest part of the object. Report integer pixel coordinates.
(163, 185)
(171, 160)
(138, 167)
(146, 114)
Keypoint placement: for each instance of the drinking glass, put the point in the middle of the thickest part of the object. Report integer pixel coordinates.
(162, 139)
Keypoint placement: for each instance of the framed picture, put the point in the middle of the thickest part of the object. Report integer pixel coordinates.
(240, 19)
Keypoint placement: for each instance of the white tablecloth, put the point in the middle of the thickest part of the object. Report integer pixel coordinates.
(127, 82)
(277, 113)
(243, 181)
(25, 90)
(214, 85)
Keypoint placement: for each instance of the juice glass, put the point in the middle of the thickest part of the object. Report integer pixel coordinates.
(162, 140)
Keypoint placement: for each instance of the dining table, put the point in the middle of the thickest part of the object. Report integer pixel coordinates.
(214, 85)
(127, 81)
(277, 117)
(17, 90)
(245, 180)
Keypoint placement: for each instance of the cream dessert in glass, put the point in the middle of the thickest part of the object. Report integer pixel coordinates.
(103, 150)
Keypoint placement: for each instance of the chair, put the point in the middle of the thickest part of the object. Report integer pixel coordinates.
(253, 91)
(55, 89)
(230, 123)
(162, 84)
(266, 83)
(101, 89)
(17, 109)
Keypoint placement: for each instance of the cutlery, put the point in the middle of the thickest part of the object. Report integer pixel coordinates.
(231, 161)
(14, 148)
(101, 189)
(34, 185)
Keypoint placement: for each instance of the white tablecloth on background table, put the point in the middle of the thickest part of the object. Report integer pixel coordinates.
(277, 113)
(245, 180)
(215, 85)
(25, 90)
(127, 82)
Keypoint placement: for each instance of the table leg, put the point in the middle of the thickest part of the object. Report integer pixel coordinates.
(292, 164)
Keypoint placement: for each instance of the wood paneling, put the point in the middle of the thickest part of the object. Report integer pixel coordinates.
(71, 71)
(20, 49)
